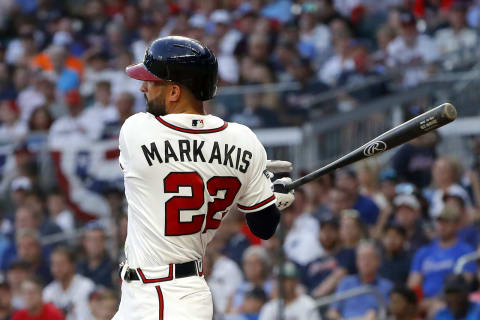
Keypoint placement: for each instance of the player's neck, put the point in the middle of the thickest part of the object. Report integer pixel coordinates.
(187, 106)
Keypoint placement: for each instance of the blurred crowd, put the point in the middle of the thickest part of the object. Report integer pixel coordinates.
(399, 227)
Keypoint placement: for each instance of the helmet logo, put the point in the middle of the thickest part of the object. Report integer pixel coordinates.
(187, 47)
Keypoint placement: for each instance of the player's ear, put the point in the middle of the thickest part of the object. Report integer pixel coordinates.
(175, 92)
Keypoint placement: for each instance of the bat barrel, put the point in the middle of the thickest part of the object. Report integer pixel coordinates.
(405, 132)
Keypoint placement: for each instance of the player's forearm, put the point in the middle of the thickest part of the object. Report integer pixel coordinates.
(263, 223)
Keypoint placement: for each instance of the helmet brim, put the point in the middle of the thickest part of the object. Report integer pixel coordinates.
(139, 72)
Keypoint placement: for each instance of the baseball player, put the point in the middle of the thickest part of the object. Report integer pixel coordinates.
(183, 171)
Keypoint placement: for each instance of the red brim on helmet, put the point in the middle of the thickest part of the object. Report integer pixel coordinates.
(139, 72)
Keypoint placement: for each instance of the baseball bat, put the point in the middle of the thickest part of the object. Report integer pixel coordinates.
(426, 122)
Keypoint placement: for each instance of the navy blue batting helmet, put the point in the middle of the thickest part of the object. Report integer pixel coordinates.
(182, 60)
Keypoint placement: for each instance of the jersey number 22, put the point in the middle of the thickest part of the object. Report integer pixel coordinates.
(173, 207)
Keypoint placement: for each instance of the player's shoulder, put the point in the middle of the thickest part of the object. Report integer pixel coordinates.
(138, 120)
(245, 131)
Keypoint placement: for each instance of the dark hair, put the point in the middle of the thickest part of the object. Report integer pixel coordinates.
(68, 252)
(31, 123)
(398, 228)
(256, 293)
(408, 294)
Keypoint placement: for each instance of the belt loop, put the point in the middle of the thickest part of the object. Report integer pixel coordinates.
(174, 276)
(199, 265)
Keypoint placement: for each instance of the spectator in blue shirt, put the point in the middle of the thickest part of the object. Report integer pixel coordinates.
(432, 263)
(348, 181)
(458, 307)
(368, 262)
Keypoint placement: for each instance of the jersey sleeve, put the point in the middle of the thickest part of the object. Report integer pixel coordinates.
(122, 144)
(258, 192)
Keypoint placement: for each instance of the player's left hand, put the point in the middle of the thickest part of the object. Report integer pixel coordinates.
(284, 197)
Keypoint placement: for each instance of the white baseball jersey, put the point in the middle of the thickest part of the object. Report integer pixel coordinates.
(182, 173)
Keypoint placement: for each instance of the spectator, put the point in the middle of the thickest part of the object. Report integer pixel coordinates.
(322, 275)
(300, 102)
(96, 70)
(432, 263)
(103, 303)
(337, 201)
(224, 276)
(69, 291)
(254, 114)
(38, 125)
(256, 268)
(388, 182)
(102, 110)
(148, 33)
(414, 160)
(31, 217)
(455, 292)
(458, 36)
(35, 308)
(348, 181)
(254, 300)
(408, 216)
(124, 105)
(7, 89)
(385, 35)
(66, 78)
(368, 262)
(468, 232)
(341, 61)
(364, 70)
(17, 272)
(6, 308)
(29, 249)
(235, 241)
(301, 242)
(11, 129)
(75, 127)
(403, 304)
(97, 264)
(300, 306)
(59, 213)
(352, 230)
(446, 176)
(56, 59)
(396, 260)
(413, 52)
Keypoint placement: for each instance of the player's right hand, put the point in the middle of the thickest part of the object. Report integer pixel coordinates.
(284, 197)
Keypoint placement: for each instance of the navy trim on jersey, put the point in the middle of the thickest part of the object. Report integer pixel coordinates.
(258, 205)
(194, 131)
(160, 302)
(167, 278)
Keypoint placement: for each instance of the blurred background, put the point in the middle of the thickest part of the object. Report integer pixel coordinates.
(395, 237)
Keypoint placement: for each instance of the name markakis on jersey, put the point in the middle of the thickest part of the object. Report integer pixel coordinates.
(193, 151)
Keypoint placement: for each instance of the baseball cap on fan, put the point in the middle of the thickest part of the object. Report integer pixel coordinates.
(221, 16)
(288, 270)
(407, 200)
(407, 18)
(21, 183)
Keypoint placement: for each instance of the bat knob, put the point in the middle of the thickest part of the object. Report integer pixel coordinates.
(449, 111)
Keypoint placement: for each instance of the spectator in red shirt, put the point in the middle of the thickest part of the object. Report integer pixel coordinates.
(35, 308)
